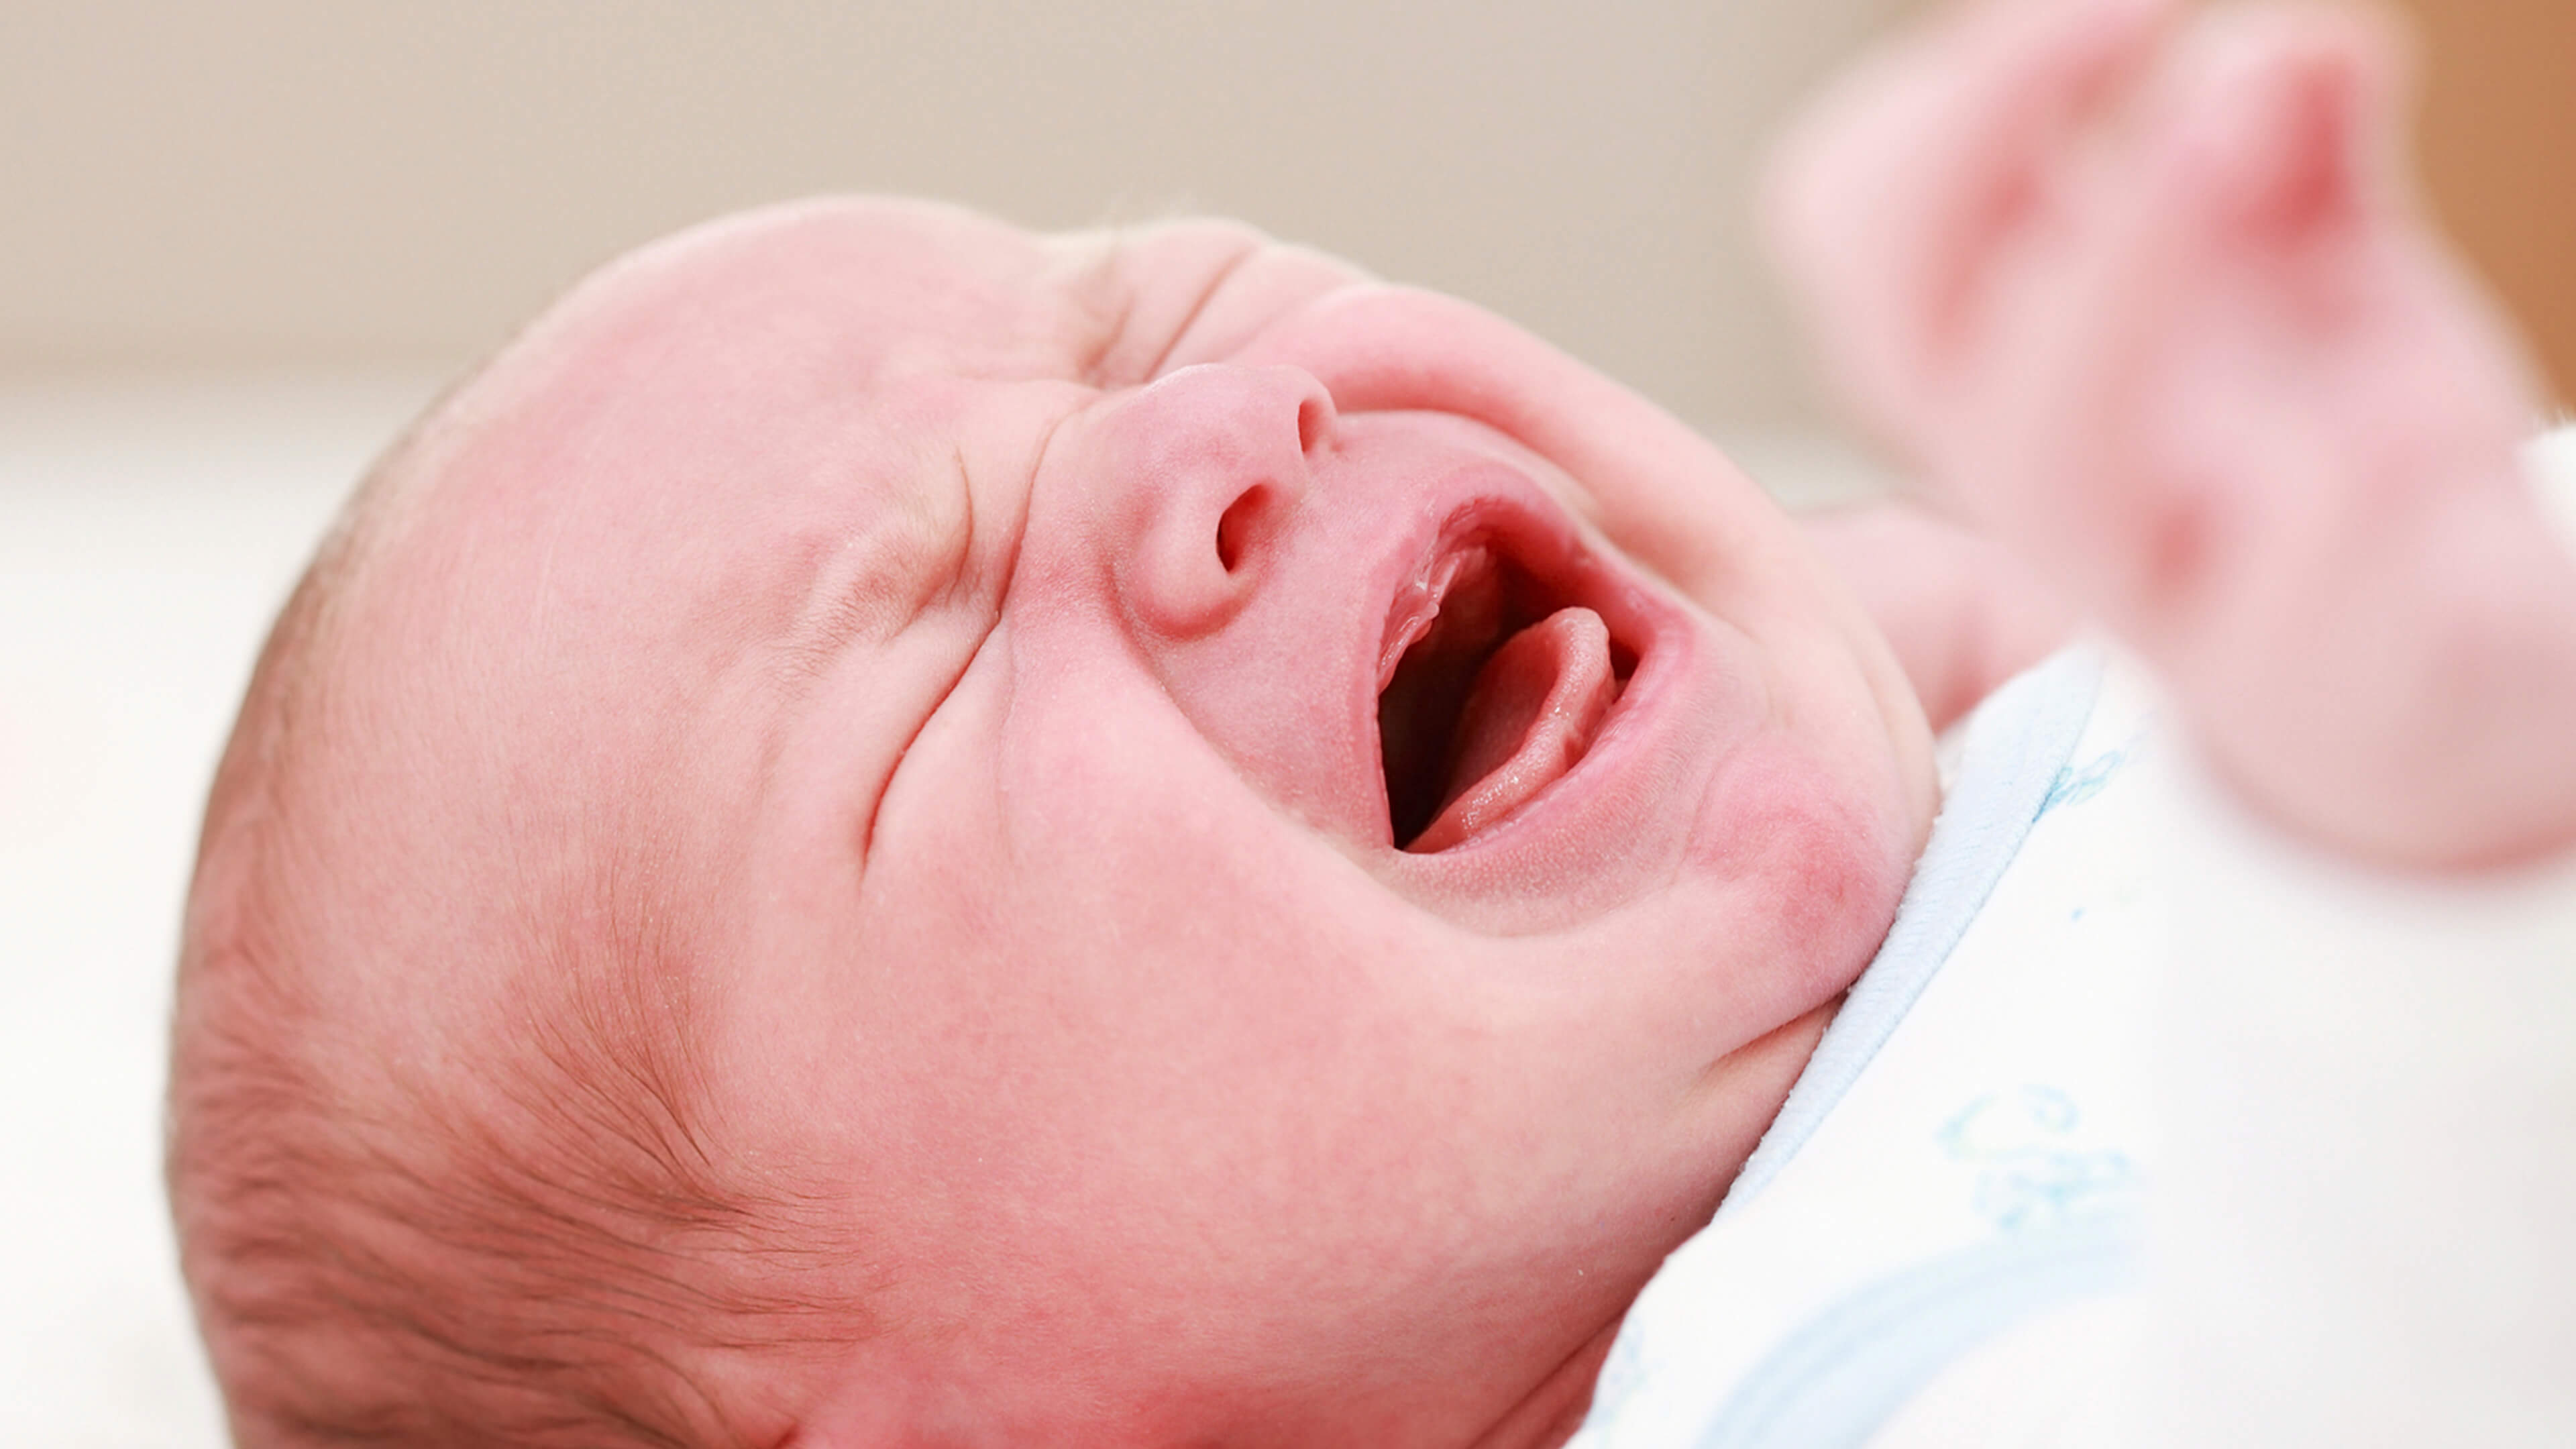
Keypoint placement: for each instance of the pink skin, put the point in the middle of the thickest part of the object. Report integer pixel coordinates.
(995, 627)
(2148, 300)
(1962, 612)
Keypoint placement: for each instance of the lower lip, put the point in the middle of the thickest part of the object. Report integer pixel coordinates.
(1628, 735)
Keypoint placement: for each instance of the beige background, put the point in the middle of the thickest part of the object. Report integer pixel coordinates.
(319, 184)
(311, 182)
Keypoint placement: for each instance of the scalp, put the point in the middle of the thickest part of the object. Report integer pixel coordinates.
(508, 1222)
(443, 1155)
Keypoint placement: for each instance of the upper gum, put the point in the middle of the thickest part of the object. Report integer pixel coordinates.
(1420, 597)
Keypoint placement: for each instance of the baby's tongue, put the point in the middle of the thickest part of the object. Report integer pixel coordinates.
(1530, 715)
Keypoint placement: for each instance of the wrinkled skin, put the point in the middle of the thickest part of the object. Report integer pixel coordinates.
(989, 630)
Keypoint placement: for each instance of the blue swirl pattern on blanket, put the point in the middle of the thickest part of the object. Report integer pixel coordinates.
(1836, 1380)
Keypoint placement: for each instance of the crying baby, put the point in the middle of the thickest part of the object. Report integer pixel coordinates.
(891, 831)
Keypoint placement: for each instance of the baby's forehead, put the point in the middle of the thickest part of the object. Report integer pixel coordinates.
(906, 287)
(862, 288)
(753, 330)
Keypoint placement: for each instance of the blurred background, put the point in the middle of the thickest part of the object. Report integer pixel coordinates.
(306, 182)
(311, 184)
(241, 242)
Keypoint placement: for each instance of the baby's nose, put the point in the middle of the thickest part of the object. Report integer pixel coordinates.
(1217, 461)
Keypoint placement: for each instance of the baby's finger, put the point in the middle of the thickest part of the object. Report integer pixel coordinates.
(2260, 150)
(2295, 116)
(1885, 206)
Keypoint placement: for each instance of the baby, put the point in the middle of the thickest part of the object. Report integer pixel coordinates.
(892, 832)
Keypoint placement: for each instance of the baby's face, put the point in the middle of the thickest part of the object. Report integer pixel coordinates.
(1279, 837)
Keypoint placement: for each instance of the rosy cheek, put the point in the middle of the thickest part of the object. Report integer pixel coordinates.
(1826, 860)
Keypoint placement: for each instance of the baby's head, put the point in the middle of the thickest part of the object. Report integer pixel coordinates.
(815, 862)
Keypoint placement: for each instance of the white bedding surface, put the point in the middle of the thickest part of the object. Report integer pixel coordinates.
(148, 530)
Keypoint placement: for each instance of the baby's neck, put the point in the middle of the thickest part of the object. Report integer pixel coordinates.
(1551, 1412)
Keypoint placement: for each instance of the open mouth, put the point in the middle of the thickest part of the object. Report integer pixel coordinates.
(1492, 685)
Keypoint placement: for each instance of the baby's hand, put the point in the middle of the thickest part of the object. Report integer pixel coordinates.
(2151, 302)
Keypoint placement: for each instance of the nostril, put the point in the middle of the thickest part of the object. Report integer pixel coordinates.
(1314, 417)
(1234, 527)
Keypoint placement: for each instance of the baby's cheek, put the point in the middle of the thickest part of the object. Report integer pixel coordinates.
(1816, 858)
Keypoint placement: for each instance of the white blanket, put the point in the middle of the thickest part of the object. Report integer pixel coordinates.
(2353, 1093)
